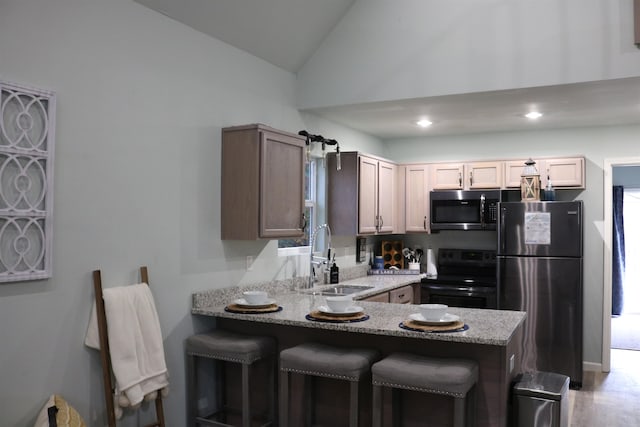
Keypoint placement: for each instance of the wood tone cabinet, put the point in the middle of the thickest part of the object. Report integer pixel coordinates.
(383, 297)
(403, 295)
(262, 193)
(416, 198)
(564, 172)
(467, 176)
(409, 294)
(361, 197)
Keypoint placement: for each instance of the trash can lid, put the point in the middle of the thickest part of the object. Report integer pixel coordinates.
(547, 385)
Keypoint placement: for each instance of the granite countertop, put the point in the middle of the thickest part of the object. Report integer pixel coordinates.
(491, 327)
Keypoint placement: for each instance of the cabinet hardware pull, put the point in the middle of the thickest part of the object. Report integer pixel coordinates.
(303, 221)
(381, 222)
(471, 178)
(425, 222)
(460, 179)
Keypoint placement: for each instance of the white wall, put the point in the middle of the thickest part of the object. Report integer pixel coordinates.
(141, 101)
(596, 144)
(388, 50)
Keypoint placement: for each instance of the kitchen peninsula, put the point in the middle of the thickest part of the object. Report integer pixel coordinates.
(491, 339)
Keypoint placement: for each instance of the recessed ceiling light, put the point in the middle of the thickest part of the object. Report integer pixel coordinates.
(424, 123)
(533, 115)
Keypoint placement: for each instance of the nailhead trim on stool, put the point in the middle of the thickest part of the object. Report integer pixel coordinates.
(321, 360)
(227, 346)
(451, 377)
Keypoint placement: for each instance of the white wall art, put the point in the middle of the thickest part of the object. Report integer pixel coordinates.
(27, 136)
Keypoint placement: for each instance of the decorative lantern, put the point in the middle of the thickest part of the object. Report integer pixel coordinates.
(530, 182)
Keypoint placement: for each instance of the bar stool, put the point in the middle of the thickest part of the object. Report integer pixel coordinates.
(451, 377)
(319, 360)
(224, 346)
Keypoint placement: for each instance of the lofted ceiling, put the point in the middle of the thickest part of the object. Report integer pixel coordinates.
(286, 33)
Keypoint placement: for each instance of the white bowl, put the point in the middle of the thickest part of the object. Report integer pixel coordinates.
(339, 303)
(255, 297)
(433, 312)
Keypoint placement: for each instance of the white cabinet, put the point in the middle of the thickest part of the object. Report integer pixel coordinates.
(417, 198)
(377, 182)
(361, 197)
(467, 176)
(564, 172)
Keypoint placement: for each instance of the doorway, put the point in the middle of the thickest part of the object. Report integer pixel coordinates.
(611, 165)
(625, 327)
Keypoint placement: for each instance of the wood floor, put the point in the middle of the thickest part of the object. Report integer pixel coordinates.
(609, 399)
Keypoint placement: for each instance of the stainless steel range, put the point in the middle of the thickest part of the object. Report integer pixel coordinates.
(466, 278)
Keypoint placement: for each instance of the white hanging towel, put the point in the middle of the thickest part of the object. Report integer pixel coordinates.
(135, 341)
(432, 270)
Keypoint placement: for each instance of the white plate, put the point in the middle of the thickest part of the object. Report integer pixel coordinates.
(244, 303)
(446, 319)
(347, 312)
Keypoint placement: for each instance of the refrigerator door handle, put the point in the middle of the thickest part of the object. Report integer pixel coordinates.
(500, 228)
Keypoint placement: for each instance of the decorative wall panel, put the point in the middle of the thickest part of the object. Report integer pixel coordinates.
(27, 140)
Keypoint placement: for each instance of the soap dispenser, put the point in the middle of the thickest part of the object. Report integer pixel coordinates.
(333, 275)
(549, 191)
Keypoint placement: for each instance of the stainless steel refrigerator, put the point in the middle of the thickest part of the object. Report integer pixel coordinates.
(539, 264)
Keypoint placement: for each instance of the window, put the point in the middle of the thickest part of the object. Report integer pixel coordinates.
(311, 194)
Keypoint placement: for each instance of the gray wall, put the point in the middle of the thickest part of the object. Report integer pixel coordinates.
(627, 176)
(141, 101)
(386, 50)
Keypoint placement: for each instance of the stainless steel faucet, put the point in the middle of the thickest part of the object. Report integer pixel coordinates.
(318, 260)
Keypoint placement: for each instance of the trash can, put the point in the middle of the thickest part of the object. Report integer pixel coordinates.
(541, 399)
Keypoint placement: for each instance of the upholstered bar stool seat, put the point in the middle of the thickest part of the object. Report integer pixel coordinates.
(224, 346)
(452, 377)
(320, 360)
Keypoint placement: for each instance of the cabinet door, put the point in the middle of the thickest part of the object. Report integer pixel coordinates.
(403, 295)
(368, 196)
(383, 297)
(281, 185)
(386, 196)
(447, 176)
(482, 175)
(567, 172)
(512, 173)
(417, 198)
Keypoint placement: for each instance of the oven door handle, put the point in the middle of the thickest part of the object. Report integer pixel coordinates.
(482, 202)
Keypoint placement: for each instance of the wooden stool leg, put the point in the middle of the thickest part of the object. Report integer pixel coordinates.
(309, 405)
(396, 407)
(284, 399)
(459, 407)
(246, 403)
(377, 406)
(159, 410)
(192, 391)
(354, 403)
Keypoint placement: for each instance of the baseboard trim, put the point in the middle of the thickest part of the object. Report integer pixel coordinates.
(592, 366)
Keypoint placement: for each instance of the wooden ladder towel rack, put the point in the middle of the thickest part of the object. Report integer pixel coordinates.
(105, 356)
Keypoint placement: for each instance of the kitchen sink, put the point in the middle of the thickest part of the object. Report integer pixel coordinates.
(345, 289)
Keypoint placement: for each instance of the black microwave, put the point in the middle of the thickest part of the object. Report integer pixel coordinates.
(464, 210)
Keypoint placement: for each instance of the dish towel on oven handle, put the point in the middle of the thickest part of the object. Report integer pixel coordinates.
(135, 343)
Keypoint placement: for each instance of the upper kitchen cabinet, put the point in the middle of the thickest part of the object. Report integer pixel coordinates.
(416, 198)
(361, 197)
(467, 176)
(563, 172)
(262, 183)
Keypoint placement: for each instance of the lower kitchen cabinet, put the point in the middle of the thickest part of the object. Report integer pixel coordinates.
(383, 297)
(409, 294)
